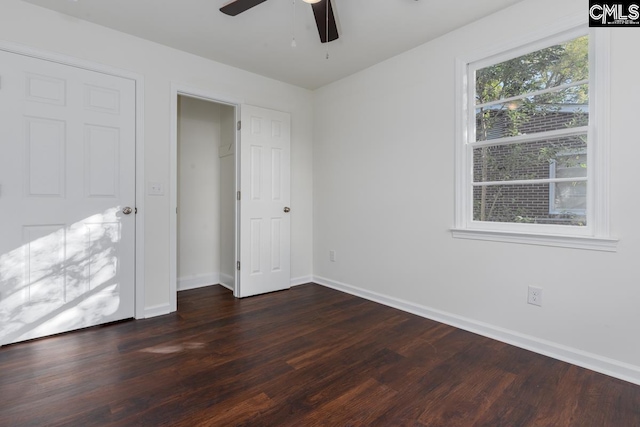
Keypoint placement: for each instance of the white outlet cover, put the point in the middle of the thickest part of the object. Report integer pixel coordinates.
(534, 296)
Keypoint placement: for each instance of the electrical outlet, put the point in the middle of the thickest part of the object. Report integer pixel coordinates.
(535, 296)
(332, 256)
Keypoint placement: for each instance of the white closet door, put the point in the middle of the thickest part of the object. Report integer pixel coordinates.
(67, 175)
(265, 221)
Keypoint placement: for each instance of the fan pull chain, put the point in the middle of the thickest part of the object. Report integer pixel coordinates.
(293, 26)
(327, 27)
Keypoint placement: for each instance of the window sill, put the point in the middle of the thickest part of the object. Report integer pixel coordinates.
(574, 242)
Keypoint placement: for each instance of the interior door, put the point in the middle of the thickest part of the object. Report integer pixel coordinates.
(265, 223)
(67, 179)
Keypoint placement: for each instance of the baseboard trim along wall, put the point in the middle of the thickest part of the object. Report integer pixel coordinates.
(229, 287)
(194, 282)
(157, 310)
(227, 281)
(297, 281)
(571, 355)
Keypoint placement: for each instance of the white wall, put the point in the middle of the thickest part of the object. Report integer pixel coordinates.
(198, 225)
(383, 199)
(49, 31)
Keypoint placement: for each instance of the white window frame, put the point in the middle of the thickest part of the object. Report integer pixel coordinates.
(595, 235)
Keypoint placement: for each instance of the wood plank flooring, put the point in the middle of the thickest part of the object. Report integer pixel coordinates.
(310, 356)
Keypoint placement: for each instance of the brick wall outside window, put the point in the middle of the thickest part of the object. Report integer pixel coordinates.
(524, 203)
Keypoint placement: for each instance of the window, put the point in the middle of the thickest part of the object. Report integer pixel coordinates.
(529, 164)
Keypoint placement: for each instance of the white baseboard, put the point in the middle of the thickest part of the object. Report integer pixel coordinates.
(297, 281)
(224, 285)
(594, 362)
(193, 282)
(227, 281)
(157, 310)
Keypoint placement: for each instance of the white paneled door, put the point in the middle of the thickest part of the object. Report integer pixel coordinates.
(67, 176)
(265, 255)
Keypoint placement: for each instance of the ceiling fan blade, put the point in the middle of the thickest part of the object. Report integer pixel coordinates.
(320, 13)
(236, 7)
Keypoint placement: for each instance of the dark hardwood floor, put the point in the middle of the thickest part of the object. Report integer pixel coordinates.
(310, 356)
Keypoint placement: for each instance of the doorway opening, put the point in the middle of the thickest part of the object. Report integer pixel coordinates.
(253, 241)
(204, 182)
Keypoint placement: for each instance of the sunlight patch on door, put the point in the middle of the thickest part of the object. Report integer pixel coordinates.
(61, 278)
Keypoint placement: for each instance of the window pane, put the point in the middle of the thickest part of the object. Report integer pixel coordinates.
(570, 164)
(542, 113)
(569, 197)
(531, 160)
(527, 204)
(547, 68)
(508, 103)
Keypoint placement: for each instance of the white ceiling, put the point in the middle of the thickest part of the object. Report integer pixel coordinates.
(259, 40)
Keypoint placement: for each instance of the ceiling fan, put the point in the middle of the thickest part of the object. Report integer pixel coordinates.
(322, 10)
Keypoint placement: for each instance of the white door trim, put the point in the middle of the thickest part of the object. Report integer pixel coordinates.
(178, 89)
(139, 83)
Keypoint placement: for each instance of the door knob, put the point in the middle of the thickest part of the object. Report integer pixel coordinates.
(287, 209)
(127, 210)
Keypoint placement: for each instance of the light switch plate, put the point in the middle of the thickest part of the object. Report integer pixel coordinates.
(155, 189)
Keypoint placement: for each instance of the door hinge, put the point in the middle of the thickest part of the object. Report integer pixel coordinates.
(239, 125)
(238, 265)
(238, 196)
(135, 211)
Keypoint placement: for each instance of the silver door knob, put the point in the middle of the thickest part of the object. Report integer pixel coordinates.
(127, 210)
(287, 209)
